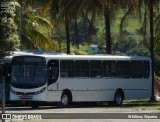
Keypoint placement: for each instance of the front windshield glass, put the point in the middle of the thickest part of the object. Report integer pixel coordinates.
(28, 74)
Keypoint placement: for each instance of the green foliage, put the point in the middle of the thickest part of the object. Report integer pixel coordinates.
(36, 30)
(143, 104)
(128, 45)
(157, 35)
(8, 35)
(140, 51)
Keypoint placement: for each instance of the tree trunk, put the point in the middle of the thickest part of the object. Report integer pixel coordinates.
(90, 29)
(152, 99)
(76, 32)
(107, 28)
(20, 25)
(144, 27)
(67, 34)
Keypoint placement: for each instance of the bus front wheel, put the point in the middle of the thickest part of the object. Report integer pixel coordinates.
(118, 98)
(65, 100)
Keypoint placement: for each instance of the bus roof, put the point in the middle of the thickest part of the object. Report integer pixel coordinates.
(94, 57)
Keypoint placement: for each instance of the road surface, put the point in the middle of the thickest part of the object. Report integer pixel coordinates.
(87, 113)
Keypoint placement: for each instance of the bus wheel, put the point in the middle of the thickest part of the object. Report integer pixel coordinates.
(118, 98)
(65, 100)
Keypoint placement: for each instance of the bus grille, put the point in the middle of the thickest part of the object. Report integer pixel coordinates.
(25, 97)
(27, 93)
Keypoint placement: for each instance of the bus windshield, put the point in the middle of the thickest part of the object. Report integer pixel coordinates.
(28, 74)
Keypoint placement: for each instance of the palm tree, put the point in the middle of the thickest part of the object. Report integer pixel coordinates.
(106, 7)
(107, 28)
(76, 7)
(152, 99)
(56, 7)
(32, 36)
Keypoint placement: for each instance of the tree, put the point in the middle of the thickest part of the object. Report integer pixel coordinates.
(32, 25)
(94, 6)
(56, 6)
(152, 47)
(157, 33)
(8, 34)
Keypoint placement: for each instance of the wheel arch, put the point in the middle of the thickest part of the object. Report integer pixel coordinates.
(68, 92)
(120, 90)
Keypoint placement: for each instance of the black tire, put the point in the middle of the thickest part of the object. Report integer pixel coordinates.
(65, 100)
(118, 98)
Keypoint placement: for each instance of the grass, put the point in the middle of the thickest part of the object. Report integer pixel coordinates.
(142, 104)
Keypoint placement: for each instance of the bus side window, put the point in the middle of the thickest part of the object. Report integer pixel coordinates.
(146, 69)
(136, 69)
(67, 68)
(52, 71)
(123, 69)
(82, 69)
(96, 69)
(109, 69)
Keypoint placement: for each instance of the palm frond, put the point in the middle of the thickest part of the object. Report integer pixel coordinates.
(39, 39)
(43, 21)
(27, 43)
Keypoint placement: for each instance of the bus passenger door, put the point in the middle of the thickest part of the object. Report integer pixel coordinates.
(52, 72)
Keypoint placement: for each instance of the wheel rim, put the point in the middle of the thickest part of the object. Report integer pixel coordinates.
(118, 99)
(65, 100)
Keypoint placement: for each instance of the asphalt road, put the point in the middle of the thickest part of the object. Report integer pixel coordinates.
(82, 113)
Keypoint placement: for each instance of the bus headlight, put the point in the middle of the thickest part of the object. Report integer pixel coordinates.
(14, 92)
(40, 91)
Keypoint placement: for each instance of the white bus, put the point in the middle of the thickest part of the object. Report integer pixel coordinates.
(80, 78)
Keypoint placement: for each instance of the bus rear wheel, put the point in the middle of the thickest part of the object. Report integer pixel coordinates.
(118, 98)
(65, 100)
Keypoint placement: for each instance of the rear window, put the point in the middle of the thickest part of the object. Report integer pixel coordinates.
(146, 69)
